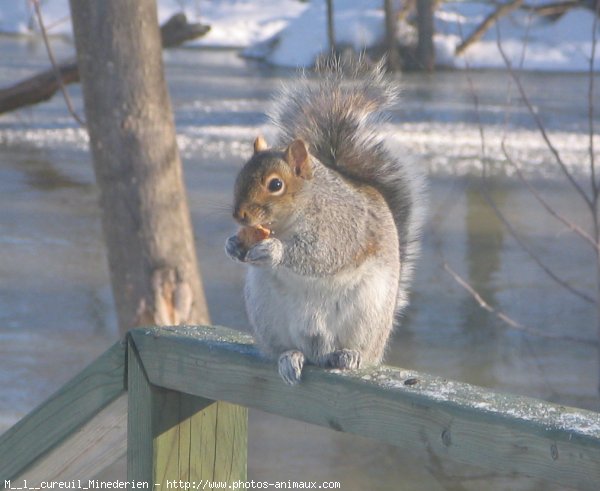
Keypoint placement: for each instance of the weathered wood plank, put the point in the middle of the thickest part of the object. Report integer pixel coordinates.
(140, 452)
(96, 445)
(231, 452)
(176, 436)
(63, 413)
(175, 415)
(464, 423)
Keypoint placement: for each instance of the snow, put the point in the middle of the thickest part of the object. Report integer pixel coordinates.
(293, 33)
(357, 23)
(564, 45)
(478, 400)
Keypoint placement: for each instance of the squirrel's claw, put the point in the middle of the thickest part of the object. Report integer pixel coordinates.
(268, 252)
(345, 359)
(290, 366)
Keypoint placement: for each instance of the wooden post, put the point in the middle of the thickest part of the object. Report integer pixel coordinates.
(173, 436)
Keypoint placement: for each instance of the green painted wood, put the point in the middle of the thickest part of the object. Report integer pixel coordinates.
(210, 441)
(457, 421)
(63, 413)
(176, 436)
(231, 452)
(140, 450)
(90, 450)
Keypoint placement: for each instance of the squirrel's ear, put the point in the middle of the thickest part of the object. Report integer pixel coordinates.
(260, 144)
(296, 155)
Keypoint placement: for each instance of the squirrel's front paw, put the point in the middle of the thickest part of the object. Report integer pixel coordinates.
(268, 252)
(290, 366)
(235, 249)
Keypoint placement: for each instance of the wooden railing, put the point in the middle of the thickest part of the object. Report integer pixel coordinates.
(173, 376)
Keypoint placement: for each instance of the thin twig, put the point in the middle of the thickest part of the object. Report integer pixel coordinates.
(487, 196)
(569, 224)
(473, 94)
(508, 320)
(38, 14)
(540, 125)
(512, 231)
(58, 22)
(500, 215)
(595, 184)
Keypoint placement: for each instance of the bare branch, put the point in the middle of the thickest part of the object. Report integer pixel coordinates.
(507, 319)
(540, 125)
(58, 22)
(552, 10)
(473, 94)
(57, 72)
(535, 257)
(44, 85)
(38, 88)
(568, 223)
(502, 10)
(503, 219)
(501, 315)
(594, 183)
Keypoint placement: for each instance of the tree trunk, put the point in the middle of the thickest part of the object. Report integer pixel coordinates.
(425, 49)
(145, 216)
(330, 26)
(391, 20)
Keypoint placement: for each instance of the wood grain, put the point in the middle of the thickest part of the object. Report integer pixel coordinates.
(177, 436)
(63, 413)
(95, 446)
(457, 421)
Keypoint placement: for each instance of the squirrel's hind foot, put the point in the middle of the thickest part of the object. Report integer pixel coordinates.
(290, 366)
(345, 359)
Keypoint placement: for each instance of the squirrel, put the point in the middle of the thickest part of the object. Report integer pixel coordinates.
(328, 280)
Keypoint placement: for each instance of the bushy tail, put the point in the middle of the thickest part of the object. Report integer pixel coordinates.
(338, 116)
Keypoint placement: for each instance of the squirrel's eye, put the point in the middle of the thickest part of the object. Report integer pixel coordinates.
(275, 185)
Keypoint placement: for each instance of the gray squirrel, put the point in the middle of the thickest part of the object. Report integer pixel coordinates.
(331, 222)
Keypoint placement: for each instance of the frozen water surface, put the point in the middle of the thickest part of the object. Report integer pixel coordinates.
(56, 311)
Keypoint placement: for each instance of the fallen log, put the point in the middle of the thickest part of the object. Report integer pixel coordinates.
(554, 10)
(44, 85)
(177, 30)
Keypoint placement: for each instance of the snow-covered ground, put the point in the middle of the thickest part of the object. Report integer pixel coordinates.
(293, 33)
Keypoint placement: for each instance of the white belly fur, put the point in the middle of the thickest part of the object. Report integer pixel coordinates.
(348, 310)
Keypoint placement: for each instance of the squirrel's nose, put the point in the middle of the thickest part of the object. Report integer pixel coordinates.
(240, 215)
